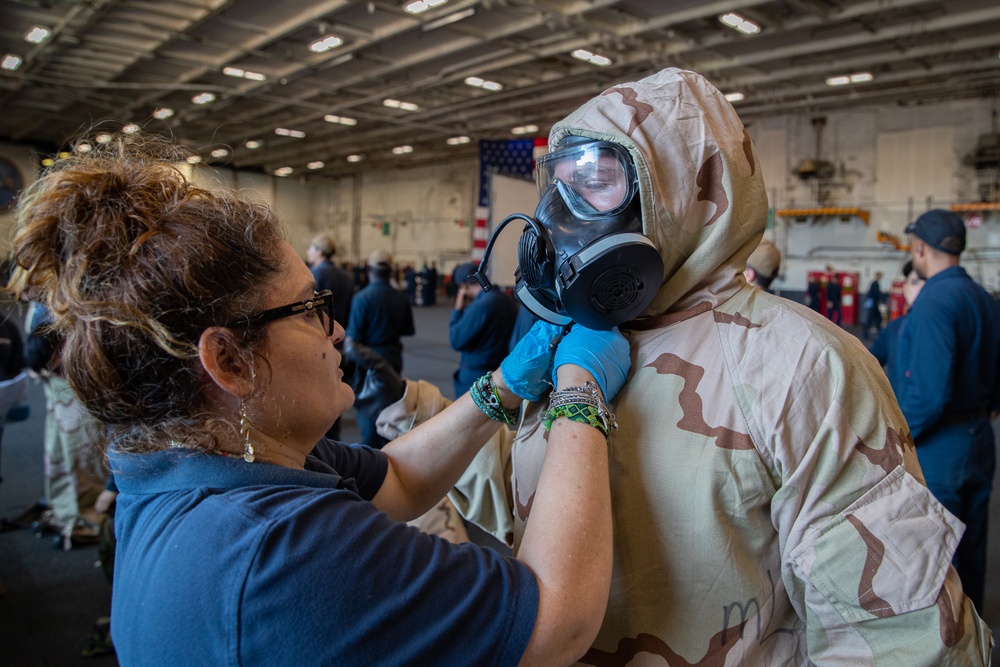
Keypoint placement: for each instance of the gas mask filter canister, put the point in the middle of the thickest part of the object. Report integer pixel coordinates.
(583, 257)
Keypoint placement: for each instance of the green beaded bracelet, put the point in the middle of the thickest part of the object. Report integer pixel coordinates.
(578, 412)
(486, 396)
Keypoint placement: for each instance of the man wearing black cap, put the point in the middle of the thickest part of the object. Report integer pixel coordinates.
(480, 327)
(949, 352)
(380, 316)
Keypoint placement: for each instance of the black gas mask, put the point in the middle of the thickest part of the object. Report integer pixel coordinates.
(583, 257)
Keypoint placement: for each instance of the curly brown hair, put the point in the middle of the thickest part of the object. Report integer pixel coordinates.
(135, 261)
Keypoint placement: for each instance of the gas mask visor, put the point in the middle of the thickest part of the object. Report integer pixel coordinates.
(598, 178)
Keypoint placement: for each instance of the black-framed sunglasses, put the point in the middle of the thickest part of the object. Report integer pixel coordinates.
(321, 304)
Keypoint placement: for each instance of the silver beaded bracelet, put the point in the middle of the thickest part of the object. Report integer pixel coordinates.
(587, 395)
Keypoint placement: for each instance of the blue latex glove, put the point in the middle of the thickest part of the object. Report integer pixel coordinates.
(605, 354)
(528, 367)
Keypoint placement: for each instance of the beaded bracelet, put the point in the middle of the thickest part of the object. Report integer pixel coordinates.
(486, 396)
(581, 404)
(578, 412)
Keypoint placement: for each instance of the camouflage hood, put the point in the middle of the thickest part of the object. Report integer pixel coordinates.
(703, 198)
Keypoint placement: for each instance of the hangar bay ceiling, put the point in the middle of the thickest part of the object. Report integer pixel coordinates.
(323, 88)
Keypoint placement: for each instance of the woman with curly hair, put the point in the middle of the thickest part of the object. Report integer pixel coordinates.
(192, 332)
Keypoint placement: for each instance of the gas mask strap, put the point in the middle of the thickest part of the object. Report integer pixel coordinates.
(480, 275)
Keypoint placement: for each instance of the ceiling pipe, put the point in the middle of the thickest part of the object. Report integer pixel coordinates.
(673, 17)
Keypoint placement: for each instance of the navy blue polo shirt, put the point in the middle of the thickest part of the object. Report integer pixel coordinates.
(221, 562)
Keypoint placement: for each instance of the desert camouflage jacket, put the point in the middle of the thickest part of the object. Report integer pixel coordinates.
(768, 505)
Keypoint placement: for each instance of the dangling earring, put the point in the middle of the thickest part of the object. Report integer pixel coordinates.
(245, 432)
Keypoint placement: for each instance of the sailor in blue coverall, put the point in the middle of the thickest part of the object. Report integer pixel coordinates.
(949, 351)
(480, 328)
(380, 315)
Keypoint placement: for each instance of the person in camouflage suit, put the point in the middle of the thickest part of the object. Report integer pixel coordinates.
(768, 505)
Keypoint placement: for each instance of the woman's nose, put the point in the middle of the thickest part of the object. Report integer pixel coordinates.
(338, 332)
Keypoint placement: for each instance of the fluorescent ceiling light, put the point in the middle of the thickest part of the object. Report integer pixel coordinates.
(477, 82)
(342, 120)
(402, 150)
(283, 171)
(843, 80)
(735, 97)
(449, 19)
(243, 74)
(524, 129)
(193, 159)
(220, 152)
(163, 113)
(203, 98)
(10, 62)
(37, 34)
(737, 22)
(254, 144)
(592, 58)
(131, 128)
(355, 158)
(456, 141)
(318, 164)
(325, 44)
(396, 104)
(422, 5)
(285, 132)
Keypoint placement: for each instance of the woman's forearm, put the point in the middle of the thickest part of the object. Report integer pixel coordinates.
(567, 543)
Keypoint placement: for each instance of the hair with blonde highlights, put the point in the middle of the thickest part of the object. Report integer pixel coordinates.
(135, 261)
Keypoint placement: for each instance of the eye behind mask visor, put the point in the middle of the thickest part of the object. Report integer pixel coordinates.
(599, 177)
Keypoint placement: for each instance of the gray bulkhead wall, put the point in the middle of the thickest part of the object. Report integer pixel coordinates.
(893, 162)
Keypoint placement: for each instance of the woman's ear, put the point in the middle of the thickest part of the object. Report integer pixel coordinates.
(225, 361)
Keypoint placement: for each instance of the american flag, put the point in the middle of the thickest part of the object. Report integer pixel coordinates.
(514, 159)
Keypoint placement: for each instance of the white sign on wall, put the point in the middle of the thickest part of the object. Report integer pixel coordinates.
(508, 195)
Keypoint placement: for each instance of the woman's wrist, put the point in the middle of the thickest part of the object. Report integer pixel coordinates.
(509, 399)
(578, 398)
(569, 375)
